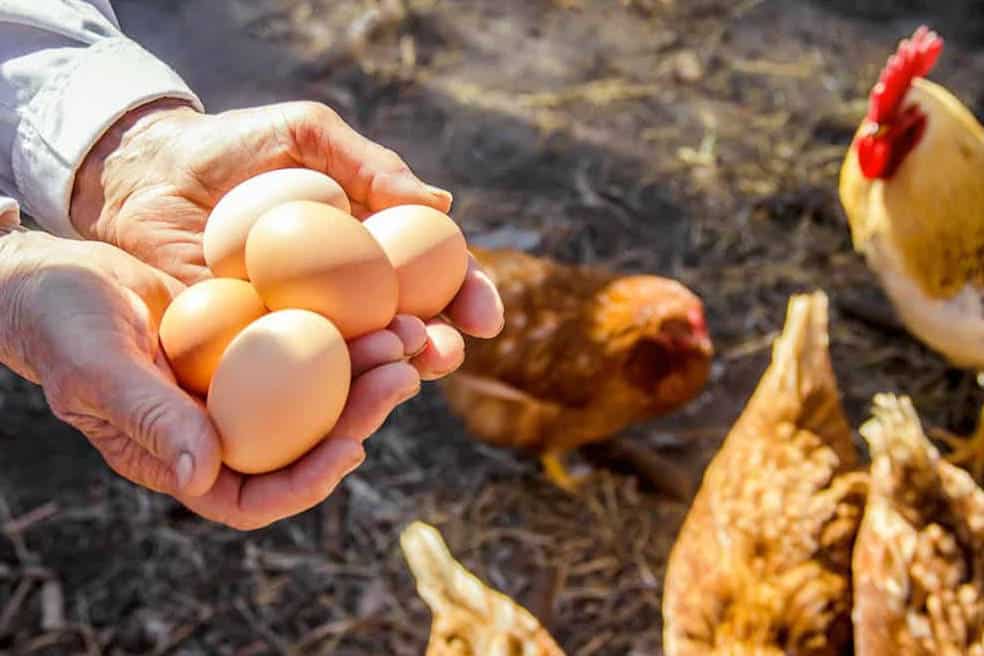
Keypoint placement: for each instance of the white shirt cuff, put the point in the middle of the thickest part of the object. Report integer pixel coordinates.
(73, 110)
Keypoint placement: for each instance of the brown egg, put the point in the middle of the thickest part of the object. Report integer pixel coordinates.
(429, 253)
(224, 238)
(279, 389)
(199, 324)
(316, 257)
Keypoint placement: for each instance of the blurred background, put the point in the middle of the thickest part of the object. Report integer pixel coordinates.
(699, 139)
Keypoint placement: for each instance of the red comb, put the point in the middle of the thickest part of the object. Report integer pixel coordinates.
(916, 57)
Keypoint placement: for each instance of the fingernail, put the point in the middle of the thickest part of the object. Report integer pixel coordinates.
(447, 372)
(353, 455)
(501, 324)
(414, 392)
(184, 469)
(441, 194)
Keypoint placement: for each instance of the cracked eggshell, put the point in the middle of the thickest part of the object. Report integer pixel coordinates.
(228, 225)
(280, 386)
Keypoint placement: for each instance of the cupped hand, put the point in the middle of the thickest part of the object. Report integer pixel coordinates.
(80, 319)
(151, 181)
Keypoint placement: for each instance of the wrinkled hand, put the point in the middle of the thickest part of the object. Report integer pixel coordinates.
(80, 319)
(150, 183)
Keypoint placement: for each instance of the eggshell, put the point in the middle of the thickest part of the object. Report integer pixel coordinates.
(279, 389)
(224, 238)
(199, 323)
(429, 252)
(315, 257)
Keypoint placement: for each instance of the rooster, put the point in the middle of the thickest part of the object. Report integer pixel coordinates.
(584, 353)
(912, 186)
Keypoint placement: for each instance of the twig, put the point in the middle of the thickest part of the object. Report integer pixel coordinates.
(52, 606)
(182, 633)
(30, 518)
(750, 346)
(14, 604)
(269, 636)
(595, 645)
(335, 629)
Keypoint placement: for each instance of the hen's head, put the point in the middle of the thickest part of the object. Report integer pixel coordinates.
(893, 126)
(659, 327)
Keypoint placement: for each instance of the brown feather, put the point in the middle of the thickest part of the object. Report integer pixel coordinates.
(584, 353)
(762, 563)
(919, 574)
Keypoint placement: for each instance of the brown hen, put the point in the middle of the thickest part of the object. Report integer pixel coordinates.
(584, 353)
(919, 558)
(762, 562)
(469, 618)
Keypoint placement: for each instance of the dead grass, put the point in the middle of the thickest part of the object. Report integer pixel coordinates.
(697, 139)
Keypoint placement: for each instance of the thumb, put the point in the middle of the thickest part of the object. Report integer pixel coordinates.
(141, 401)
(373, 176)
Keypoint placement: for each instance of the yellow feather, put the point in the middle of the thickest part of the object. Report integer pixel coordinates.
(931, 211)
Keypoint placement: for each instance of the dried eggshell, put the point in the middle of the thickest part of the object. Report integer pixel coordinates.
(200, 322)
(279, 389)
(315, 257)
(228, 226)
(429, 253)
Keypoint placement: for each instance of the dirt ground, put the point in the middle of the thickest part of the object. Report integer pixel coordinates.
(694, 138)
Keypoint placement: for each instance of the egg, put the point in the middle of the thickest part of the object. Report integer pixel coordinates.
(199, 323)
(279, 389)
(429, 253)
(228, 225)
(316, 257)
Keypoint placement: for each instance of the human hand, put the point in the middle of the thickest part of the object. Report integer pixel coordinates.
(151, 181)
(80, 319)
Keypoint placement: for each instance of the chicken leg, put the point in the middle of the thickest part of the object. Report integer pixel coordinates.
(558, 473)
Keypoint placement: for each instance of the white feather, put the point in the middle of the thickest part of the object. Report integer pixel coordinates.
(953, 326)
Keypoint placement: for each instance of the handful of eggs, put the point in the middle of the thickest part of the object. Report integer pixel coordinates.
(296, 277)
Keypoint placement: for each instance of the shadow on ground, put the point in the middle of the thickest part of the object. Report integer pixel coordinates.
(701, 142)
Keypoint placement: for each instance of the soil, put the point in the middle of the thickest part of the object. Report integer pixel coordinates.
(699, 139)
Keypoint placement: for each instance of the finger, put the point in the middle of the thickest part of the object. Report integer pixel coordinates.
(257, 501)
(163, 366)
(172, 285)
(371, 175)
(373, 396)
(303, 484)
(139, 401)
(134, 463)
(155, 291)
(123, 455)
(360, 211)
(374, 349)
(445, 351)
(248, 503)
(411, 331)
(477, 309)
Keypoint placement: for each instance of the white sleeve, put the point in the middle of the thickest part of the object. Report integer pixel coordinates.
(67, 73)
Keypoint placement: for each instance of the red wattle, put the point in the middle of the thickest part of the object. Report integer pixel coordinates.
(873, 156)
(884, 148)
